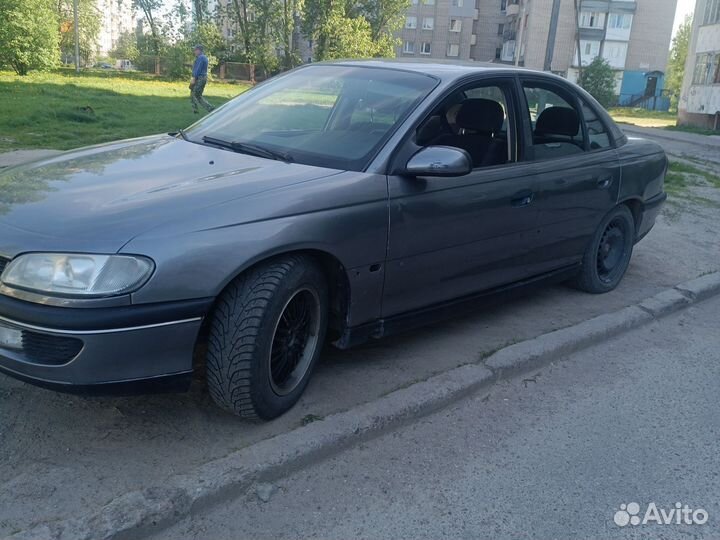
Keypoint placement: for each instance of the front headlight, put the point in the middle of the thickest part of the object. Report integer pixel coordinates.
(79, 275)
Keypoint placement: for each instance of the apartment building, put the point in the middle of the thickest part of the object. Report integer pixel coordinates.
(700, 97)
(632, 35)
(116, 19)
(439, 29)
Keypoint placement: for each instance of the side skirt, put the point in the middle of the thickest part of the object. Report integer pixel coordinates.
(404, 322)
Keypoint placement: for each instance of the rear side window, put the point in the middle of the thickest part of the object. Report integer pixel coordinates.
(597, 134)
(555, 122)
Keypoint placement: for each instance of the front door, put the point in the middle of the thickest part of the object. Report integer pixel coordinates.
(451, 237)
(651, 86)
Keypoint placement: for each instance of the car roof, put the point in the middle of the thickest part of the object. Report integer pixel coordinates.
(444, 70)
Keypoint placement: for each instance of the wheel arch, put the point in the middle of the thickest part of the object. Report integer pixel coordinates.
(636, 209)
(335, 273)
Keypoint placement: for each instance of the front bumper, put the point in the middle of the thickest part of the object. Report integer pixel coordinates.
(100, 350)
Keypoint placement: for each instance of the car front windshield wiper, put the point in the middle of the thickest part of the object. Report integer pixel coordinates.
(250, 148)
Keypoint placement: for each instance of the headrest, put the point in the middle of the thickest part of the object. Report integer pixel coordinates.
(558, 121)
(481, 115)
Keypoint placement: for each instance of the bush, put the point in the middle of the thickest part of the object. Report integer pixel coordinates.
(29, 37)
(599, 80)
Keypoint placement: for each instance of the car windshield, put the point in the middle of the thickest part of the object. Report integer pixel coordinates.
(326, 115)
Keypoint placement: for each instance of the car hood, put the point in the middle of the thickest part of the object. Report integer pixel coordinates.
(99, 198)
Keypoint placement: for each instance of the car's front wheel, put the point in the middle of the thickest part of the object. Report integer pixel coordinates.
(266, 335)
(608, 255)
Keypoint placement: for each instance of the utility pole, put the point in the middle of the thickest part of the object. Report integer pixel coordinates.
(577, 40)
(552, 33)
(77, 37)
(519, 42)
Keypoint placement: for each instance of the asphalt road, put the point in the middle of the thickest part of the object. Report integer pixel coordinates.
(553, 455)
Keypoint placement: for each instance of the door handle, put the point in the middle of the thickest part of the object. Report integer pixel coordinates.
(604, 182)
(523, 200)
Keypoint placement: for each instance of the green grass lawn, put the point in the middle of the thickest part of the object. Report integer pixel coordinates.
(642, 117)
(64, 110)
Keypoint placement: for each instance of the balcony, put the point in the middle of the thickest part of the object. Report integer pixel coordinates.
(512, 10)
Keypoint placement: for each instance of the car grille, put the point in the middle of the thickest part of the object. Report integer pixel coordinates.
(51, 350)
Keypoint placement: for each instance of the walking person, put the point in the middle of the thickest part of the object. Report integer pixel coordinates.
(199, 80)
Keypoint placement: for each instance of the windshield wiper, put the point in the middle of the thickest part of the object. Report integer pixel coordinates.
(250, 148)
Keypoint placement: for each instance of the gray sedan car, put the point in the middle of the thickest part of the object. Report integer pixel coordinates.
(337, 202)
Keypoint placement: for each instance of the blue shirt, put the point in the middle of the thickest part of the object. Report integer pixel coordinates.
(200, 66)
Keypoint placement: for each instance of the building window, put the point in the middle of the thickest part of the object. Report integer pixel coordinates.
(409, 47)
(712, 12)
(457, 3)
(588, 49)
(498, 53)
(410, 22)
(620, 21)
(707, 69)
(428, 23)
(455, 25)
(591, 19)
(501, 29)
(453, 49)
(503, 5)
(425, 47)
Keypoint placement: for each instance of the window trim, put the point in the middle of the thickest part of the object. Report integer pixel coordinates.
(575, 100)
(406, 147)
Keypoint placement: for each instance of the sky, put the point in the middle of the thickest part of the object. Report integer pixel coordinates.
(684, 7)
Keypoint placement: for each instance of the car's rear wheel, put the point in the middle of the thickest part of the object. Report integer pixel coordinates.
(266, 335)
(608, 256)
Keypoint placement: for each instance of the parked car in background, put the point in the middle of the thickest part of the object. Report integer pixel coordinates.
(125, 65)
(340, 201)
(103, 65)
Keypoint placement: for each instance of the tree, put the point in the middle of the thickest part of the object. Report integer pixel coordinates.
(28, 35)
(346, 37)
(149, 9)
(201, 11)
(342, 30)
(385, 16)
(676, 63)
(127, 47)
(259, 26)
(598, 79)
(286, 31)
(89, 23)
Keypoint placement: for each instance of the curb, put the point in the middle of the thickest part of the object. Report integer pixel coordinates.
(140, 513)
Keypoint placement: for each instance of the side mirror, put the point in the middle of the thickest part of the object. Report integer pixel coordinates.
(439, 161)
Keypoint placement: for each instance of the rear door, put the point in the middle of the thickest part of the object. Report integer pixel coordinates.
(576, 170)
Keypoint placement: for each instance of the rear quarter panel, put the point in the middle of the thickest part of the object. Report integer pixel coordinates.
(643, 164)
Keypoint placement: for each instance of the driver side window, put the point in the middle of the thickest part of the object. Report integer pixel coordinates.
(474, 119)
